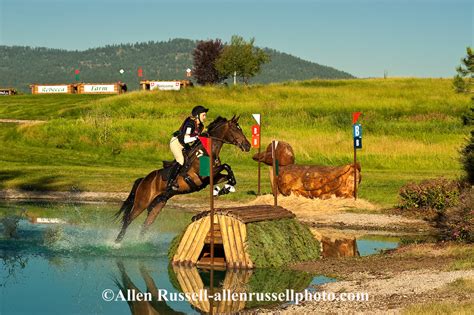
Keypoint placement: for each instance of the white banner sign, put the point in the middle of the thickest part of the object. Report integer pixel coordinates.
(99, 88)
(52, 89)
(165, 85)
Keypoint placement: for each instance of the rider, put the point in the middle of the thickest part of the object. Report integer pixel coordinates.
(183, 139)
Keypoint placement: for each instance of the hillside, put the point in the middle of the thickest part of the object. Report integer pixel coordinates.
(21, 66)
(412, 131)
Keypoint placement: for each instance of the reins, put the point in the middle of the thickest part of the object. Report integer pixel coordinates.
(221, 139)
(192, 154)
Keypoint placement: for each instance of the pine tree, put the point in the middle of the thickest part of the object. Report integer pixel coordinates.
(464, 83)
(464, 80)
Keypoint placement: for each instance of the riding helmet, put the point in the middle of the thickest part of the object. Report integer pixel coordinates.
(198, 110)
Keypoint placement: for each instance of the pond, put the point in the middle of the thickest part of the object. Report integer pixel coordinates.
(74, 266)
(374, 244)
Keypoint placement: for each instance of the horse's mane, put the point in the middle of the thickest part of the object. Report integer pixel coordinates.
(217, 122)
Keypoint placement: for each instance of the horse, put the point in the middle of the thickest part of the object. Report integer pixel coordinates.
(151, 193)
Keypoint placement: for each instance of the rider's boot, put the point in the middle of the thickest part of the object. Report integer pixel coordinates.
(172, 182)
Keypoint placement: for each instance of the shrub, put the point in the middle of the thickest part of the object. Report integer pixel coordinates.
(437, 194)
(457, 223)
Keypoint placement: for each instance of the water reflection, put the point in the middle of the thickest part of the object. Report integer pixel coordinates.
(189, 281)
(149, 306)
(235, 281)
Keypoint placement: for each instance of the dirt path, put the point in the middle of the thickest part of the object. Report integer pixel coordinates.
(21, 121)
(62, 196)
(345, 214)
(389, 295)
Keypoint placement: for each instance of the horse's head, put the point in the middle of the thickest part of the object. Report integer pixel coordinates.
(230, 132)
(284, 154)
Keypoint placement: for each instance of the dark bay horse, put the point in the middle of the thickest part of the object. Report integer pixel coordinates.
(150, 192)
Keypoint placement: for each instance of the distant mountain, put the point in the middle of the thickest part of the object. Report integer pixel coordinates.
(21, 66)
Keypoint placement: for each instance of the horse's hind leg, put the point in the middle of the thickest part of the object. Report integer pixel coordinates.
(126, 222)
(153, 210)
(140, 204)
(146, 190)
(122, 232)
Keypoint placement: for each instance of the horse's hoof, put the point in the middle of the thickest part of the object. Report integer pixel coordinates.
(216, 191)
(229, 188)
(223, 191)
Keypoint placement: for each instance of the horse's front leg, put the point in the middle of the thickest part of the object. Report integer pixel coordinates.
(230, 175)
(229, 186)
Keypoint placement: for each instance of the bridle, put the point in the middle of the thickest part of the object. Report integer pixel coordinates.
(234, 141)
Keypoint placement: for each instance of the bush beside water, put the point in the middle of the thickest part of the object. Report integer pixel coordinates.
(437, 194)
(457, 223)
(447, 204)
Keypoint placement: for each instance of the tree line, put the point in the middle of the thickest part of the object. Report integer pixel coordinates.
(168, 60)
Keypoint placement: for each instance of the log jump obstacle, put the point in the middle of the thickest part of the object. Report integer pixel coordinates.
(262, 227)
(230, 233)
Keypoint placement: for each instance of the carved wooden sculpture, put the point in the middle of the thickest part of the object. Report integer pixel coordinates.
(311, 181)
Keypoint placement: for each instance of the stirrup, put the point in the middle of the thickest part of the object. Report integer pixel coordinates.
(172, 185)
(175, 186)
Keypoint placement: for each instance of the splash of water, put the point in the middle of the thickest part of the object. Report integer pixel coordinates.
(86, 240)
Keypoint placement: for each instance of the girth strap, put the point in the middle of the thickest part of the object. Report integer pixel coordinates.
(190, 182)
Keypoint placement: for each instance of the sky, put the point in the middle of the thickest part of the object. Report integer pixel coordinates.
(417, 38)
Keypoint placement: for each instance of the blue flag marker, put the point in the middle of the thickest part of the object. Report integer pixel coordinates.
(357, 130)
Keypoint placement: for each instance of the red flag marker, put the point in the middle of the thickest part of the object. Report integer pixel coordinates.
(206, 144)
(355, 117)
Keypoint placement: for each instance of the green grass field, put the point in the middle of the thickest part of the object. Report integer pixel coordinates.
(411, 131)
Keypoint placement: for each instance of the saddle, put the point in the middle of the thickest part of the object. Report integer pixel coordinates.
(188, 161)
(167, 168)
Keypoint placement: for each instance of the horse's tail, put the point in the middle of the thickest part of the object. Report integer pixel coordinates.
(128, 203)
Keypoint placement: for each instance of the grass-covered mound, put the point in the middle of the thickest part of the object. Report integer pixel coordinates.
(280, 242)
(174, 245)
